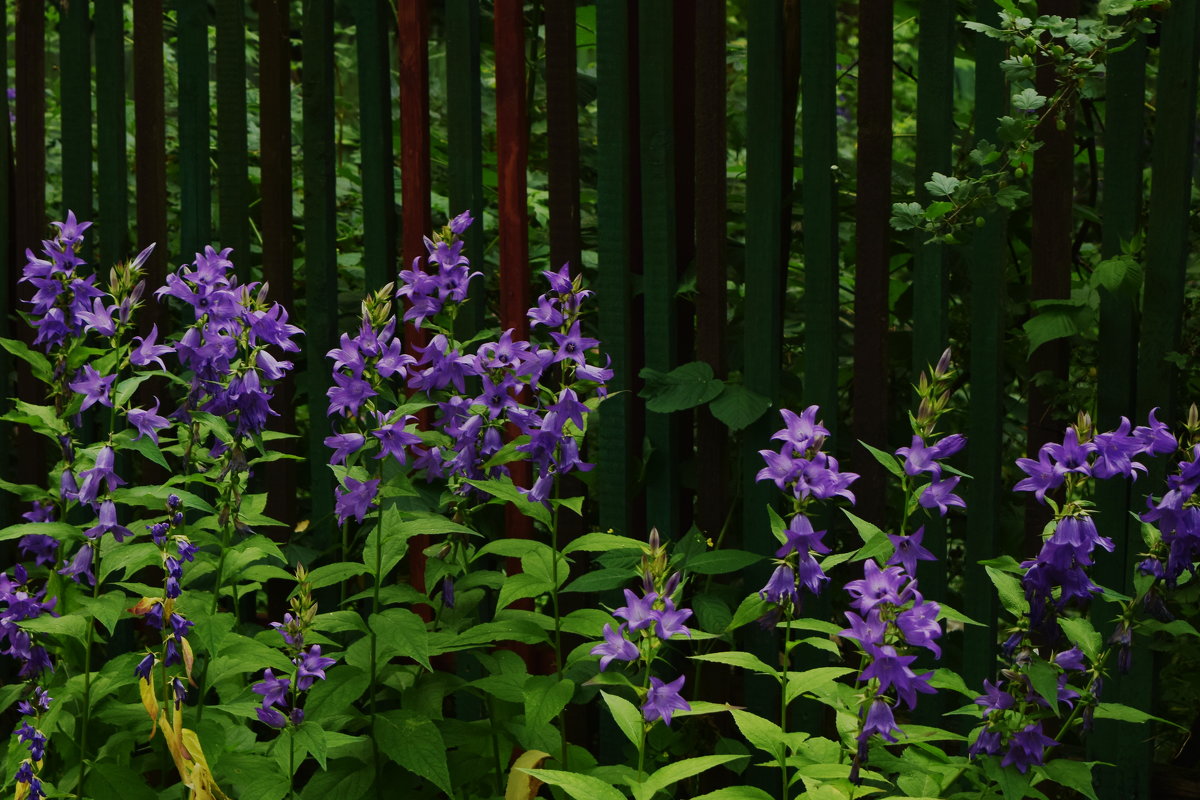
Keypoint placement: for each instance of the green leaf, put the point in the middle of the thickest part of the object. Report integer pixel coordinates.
(520, 586)
(109, 781)
(130, 558)
(737, 658)
(812, 679)
(678, 770)
(778, 526)
(1010, 196)
(762, 733)
(105, 609)
(890, 462)
(1124, 713)
(1044, 679)
(750, 609)
(394, 549)
(404, 632)
(71, 626)
(155, 498)
(545, 696)
(1081, 633)
(602, 543)
(126, 388)
(144, 445)
(333, 696)
(59, 530)
(946, 612)
(686, 386)
(601, 580)
(906, 216)
(415, 743)
(1028, 100)
(503, 490)
(331, 574)
(738, 407)
(1075, 775)
(311, 737)
(1008, 588)
(1058, 321)
(42, 419)
(940, 185)
(735, 793)
(627, 717)
(580, 787)
(719, 562)
(39, 365)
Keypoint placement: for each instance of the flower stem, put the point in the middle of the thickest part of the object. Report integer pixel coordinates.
(377, 576)
(783, 704)
(87, 682)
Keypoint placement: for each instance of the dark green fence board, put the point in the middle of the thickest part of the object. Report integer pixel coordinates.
(150, 156)
(195, 187)
(615, 157)
(8, 270)
(75, 94)
(465, 138)
(320, 241)
(30, 83)
(655, 87)
(872, 236)
(562, 133)
(712, 439)
(112, 167)
(1116, 387)
(233, 182)
(373, 26)
(818, 69)
(986, 261)
(412, 20)
(275, 135)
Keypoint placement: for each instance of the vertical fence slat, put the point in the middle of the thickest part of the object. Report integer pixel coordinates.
(320, 240)
(986, 263)
(275, 136)
(614, 160)
(764, 276)
(712, 440)
(76, 103)
(562, 133)
(655, 47)
(150, 155)
(935, 131)
(818, 70)
(233, 186)
(195, 191)
(1117, 378)
(412, 21)
(8, 273)
(465, 138)
(112, 172)
(872, 237)
(372, 19)
(30, 175)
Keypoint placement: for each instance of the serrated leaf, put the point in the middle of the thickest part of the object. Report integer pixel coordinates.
(750, 609)
(719, 562)
(338, 572)
(1008, 587)
(602, 543)
(39, 365)
(762, 733)
(311, 737)
(580, 787)
(627, 717)
(1075, 775)
(890, 462)
(1028, 100)
(737, 658)
(809, 680)
(415, 743)
(503, 490)
(1043, 677)
(940, 185)
(1081, 634)
(545, 696)
(679, 770)
(404, 632)
(1123, 713)
(61, 531)
(687, 386)
(906, 216)
(738, 407)
(735, 793)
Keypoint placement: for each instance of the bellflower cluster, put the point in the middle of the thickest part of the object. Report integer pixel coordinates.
(42, 548)
(17, 604)
(228, 347)
(478, 398)
(160, 613)
(61, 293)
(281, 695)
(890, 617)
(801, 469)
(1176, 516)
(658, 619)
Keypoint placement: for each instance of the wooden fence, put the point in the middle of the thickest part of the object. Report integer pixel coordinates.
(661, 194)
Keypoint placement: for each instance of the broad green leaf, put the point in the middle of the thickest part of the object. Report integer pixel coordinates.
(627, 717)
(750, 609)
(520, 586)
(106, 609)
(867, 531)
(129, 558)
(890, 462)
(338, 621)
(61, 531)
(71, 626)
(737, 658)
(762, 733)
(144, 445)
(404, 632)
(602, 543)
(1044, 679)
(510, 548)
(687, 386)
(1075, 775)
(1009, 589)
(678, 770)
(601, 580)
(311, 737)
(1028, 100)
(331, 574)
(1081, 634)
(1124, 713)
(946, 612)
(42, 419)
(736, 793)
(333, 696)
(394, 549)
(948, 679)
(503, 490)
(809, 680)
(738, 407)
(415, 743)
(1059, 320)
(109, 781)
(940, 185)
(579, 787)
(155, 497)
(545, 696)
(39, 365)
(126, 388)
(778, 526)
(25, 491)
(719, 562)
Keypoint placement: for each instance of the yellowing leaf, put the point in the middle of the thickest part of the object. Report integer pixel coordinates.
(522, 786)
